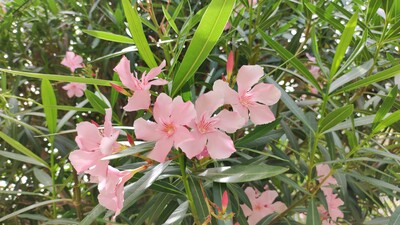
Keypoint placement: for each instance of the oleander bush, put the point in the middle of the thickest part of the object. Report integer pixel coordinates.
(200, 112)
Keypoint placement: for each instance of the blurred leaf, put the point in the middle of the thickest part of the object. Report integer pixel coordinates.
(386, 106)
(206, 36)
(19, 147)
(312, 213)
(335, 117)
(44, 178)
(178, 215)
(241, 173)
(21, 158)
(146, 146)
(109, 36)
(258, 132)
(375, 182)
(170, 20)
(267, 219)
(389, 120)
(395, 218)
(49, 101)
(138, 35)
(96, 102)
(152, 209)
(198, 199)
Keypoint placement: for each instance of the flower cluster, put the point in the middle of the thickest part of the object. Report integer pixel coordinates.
(330, 214)
(73, 62)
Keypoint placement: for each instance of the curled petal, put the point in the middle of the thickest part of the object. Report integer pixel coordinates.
(153, 72)
(248, 76)
(220, 145)
(267, 94)
(124, 71)
(261, 114)
(146, 130)
(139, 100)
(157, 82)
(229, 121)
(83, 160)
(161, 150)
(162, 108)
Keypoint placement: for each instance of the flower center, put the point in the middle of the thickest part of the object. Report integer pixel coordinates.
(169, 129)
(246, 100)
(206, 125)
(257, 207)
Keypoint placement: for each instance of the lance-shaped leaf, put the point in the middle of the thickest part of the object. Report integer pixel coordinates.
(312, 213)
(335, 117)
(109, 36)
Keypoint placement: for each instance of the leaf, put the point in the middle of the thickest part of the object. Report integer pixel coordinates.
(109, 36)
(312, 213)
(34, 206)
(395, 218)
(375, 182)
(170, 20)
(19, 147)
(178, 215)
(138, 36)
(198, 199)
(383, 75)
(291, 59)
(344, 43)
(49, 101)
(362, 121)
(206, 36)
(335, 117)
(386, 106)
(241, 173)
(43, 178)
(389, 120)
(96, 102)
(258, 132)
(353, 74)
(21, 158)
(146, 146)
(152, 209)
(218, 190)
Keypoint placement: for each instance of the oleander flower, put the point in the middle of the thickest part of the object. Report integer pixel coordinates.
(262, 205)
(140, 87)
(72, 61)
(251, 97)
(333, 212)
(74, 89)
(323, 171)
(209, 131)
(93, 144)
(169, 130)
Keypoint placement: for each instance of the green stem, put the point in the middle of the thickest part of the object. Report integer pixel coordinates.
(53, 175)
(182, 162)
(77, 196)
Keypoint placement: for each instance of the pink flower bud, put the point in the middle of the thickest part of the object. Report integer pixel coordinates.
(225, 201)
(120, 89)
(229, 64)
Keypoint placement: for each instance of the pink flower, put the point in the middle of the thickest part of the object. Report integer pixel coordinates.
(141, 96)
(94, 145)
(74, 89)
(333, 212)
(72, 61)
(262, 205)
(203, 154)
(310, 58)
(248, 98)
(171, 117)
(209, 131)
(314, 70)
(323, 170)
(111, 189)
(228, 26)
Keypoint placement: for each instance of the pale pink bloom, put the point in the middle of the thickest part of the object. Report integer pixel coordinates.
(314, 70)
(333, 202)
(203, 154)
(171, 117)
(262, 205)
(310, 58)
(228, 26)
(72, 61)
(74, 89)
(140, 87)
(323, 170)
(111, 189)
(94, 145)
(209, 131)
(248, 98)
(230, 63)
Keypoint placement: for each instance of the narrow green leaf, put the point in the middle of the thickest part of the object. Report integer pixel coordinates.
(34, 206)
(135, 26)
(325, 15)
(375, 182)
(218, 190)
(178, 215)
(389, 120)
(335, 117)
(21, 158)
(395, 218)
(43, 178)
(49, 99)
(291, 59)
(19, 147)
(344, 43)
(152, 209)
(170, 20)
(258, 132)
(206, 36)
(383, 75)
(386, 106)
(53, 6)
(198, 199)
(96, 102)
(147, 146)
(109, 36)
(241, 173)
(312, 213)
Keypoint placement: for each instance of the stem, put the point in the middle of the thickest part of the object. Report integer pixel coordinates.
(77, 196)
(53, 176)
(182, 162)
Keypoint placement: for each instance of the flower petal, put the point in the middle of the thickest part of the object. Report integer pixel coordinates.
(124, 71)
(220, 145)
(248, 76)
(161, 150)
(157, 82)
(228, 94)
(261, 114)
(229, 121)
(181, 135)
(194, 147)
(146, 130)
(83, 160)
(162, 108)
(107, 144)
(139, 100)
(207, 103)
(88, 137)
(153, 72)
(182, 112)
(267, 94)
(268, 197)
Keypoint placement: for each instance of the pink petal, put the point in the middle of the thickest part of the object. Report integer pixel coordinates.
(256, 217)
(182, 112)
(161, 150)
(107, 123)
(246, 210)
(267, 94)
(248, 76)
(83, 160)
(88, 137)
(157, 82)
(279, 207)
(220, 145)
(243, 111)
(153, 72)
(181, 135)
(78, 93)
(268, 197)
(207, 103)
(310, 58)
(139, 100)
(229, 121)
(261, 114)
(124, 71)
(228, 94)
(71, 93)
(194, 147)
(162, 108)
(251, 194)
(98, 172)
(108, 200)
(107, 144)
(146, 130)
